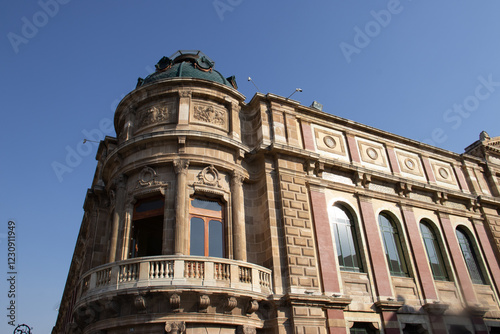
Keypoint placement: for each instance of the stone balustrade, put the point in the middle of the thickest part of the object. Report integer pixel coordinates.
(174, 273)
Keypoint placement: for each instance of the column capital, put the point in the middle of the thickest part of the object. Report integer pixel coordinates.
(237, 178)
(120, 181)
(181, 166)
(185, 93)
(175, 327)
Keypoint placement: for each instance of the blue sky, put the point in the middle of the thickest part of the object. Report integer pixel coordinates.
(426, 70)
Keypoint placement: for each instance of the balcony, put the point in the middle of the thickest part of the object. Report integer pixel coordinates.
(175, 273)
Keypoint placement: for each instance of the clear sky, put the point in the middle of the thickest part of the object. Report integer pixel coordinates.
(426, 70)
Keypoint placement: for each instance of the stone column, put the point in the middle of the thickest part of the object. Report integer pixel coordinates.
(181, 169)
(327, 259)
(117, 215)
(419, 255)
(238, 206)
(383, 282)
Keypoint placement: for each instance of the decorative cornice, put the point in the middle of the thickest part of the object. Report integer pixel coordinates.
(317, 301)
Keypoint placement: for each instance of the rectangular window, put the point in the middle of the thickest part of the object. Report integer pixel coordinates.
(207, 227)
(147, 228)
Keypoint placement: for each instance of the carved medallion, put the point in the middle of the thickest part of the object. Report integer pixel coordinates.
(329, 141)
(147, 178)
(209, 176)
(443, 173)
(372, 153)
(410, 164)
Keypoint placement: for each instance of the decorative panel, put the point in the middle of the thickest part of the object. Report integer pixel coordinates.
(162, 113)
(330, 141)
(410, 164)
(444, 173)
(373, 153)
(209, 113)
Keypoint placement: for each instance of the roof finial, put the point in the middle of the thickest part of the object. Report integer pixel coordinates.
(484, 135)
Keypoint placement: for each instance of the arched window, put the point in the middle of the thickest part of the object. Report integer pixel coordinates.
(344, 233)
(434, 253)
(470, 257)
(207, 230)
(392, 245)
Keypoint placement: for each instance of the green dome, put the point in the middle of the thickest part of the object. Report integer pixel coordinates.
(186, 64)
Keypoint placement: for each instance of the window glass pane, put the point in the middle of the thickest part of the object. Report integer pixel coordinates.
(470, 258)
(149, 205)
(197, 237)
(215, 242)
(434, 253)
(147, 237)
(344, 235)
(392, 245)
(361, 328)
(206, 204)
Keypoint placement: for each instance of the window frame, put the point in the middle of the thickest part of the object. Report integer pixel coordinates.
(207, 216)
(145, 218)
(349, 229)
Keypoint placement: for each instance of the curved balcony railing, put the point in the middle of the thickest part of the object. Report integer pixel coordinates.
(176, 271)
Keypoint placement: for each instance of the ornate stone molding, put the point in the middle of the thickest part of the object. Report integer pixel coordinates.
(246, 330)
(389, 305)
(435, 308)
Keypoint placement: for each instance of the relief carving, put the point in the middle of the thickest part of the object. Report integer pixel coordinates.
(209, 114)
(209, 176)
(155, 114)
(147, 178)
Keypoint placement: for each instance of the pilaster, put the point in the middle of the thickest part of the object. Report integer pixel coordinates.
(181, 169)
(117, 215)
(239, 235)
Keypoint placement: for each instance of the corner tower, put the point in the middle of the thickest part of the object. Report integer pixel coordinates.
(163, 237)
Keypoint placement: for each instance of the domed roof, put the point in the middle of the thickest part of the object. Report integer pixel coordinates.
(186, 64)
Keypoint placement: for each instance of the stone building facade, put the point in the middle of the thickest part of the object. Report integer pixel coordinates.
(211, 215)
